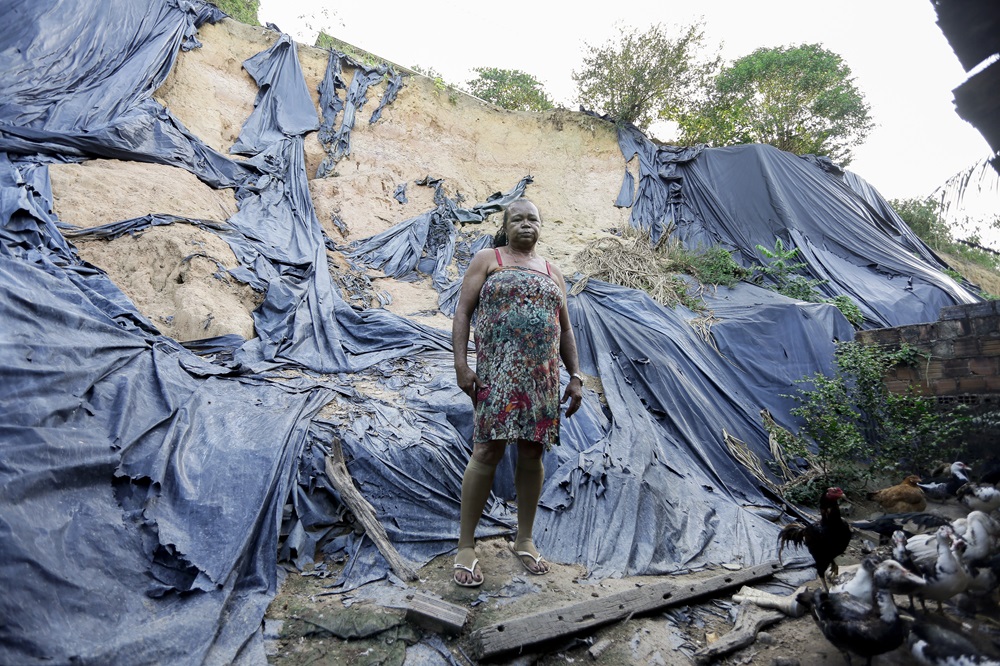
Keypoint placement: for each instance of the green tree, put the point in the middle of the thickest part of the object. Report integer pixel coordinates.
(244, 11)
(642, 76)
(923, 216)
(797, 98)
(510, 89)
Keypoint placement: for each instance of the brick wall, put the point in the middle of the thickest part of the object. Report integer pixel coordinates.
(964, 349)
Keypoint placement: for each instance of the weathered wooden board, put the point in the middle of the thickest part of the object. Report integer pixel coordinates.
(539, 627)
(436, 614)
(336, 471)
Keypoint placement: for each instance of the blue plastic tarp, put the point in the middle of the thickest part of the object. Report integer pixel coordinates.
(144, 483)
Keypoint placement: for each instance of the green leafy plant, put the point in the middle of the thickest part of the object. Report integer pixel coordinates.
(714, 265)
(852, 426)
(781, 273)
(640, 76)
(509, 89)
(797, 98)
(849, 309)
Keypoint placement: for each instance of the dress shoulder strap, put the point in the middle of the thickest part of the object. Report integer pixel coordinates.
(496, 251)
(548, 268)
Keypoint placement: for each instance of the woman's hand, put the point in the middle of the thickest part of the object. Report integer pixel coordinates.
(469, 382)
(574, 393)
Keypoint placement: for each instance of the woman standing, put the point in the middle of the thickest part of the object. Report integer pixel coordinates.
(522, 329)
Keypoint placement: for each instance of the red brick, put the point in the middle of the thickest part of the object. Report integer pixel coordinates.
(952, 312)
(896, 386)
(989, 347)
(943, 387)
(985, 326)
(992, 383)
(905, 373)
(943, 349)
(983, 365)
(965, 347)
(879, 336)
(956, 328)
(933, 370)
(911, 335)
(955, 367)
(972, 384)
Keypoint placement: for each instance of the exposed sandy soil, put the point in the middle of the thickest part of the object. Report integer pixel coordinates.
(172, 275)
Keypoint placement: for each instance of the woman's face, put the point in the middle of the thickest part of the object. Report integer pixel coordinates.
(523, 223)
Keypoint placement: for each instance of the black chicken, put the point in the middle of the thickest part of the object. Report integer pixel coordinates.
(824, 540)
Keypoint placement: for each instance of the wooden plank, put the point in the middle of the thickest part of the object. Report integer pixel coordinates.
(336, 470)
(750, 620)
(436, 614)
(517, 633)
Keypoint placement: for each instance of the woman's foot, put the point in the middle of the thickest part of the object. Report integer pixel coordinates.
(530, 558)
(467, 571)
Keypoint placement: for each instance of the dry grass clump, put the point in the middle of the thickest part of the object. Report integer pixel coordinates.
(986, 279)
(630, 260)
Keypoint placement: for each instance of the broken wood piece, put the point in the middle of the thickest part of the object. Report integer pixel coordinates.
(750, 619)
(436, 614)
(787, 604)
(598, 648)
(336, 470)
(519, 632)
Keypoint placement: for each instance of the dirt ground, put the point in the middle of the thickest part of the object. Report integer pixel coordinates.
(307, 603)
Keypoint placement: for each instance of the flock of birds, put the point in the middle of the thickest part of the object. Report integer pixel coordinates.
(927, 558)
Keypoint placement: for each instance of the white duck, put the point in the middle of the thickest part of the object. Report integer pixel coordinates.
(980, 543)
(941, 488)
(979, 497)
(861, 585)
(948, 576)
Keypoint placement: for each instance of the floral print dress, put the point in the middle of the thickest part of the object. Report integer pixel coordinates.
(517, 356)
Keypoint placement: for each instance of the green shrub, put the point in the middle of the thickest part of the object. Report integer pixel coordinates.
(714, 265)
(849, 309)
(853, 427)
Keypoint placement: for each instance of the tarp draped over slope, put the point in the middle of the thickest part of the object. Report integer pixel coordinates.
(142, 487)
(128, 473)
(744, 196)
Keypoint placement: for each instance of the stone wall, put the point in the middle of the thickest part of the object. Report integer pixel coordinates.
(963, 355)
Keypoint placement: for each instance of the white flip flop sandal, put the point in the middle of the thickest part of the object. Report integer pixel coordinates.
(472, 572)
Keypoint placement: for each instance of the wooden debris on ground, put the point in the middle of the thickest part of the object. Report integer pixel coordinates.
(517, 633)
(598, 648)
(336, 470)
(750, 619)
(436, 614)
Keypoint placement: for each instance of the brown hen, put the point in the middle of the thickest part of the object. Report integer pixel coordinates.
(904, 497)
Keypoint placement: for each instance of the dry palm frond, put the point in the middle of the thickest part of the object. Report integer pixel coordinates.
(703, 326)
(774, 441)
(743, 455)
(630, 260)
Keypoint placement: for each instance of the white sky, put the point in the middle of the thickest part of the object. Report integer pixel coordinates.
(900, 59)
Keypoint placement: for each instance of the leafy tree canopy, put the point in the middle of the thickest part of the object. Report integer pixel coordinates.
(510, 89)
(797, 98)
(644, 75)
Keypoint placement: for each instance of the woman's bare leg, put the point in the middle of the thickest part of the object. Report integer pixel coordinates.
(476, 484)
(529, 476)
